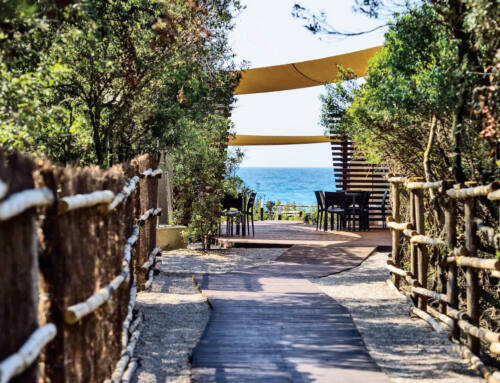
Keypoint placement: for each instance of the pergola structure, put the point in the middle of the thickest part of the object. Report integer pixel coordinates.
(351, 171)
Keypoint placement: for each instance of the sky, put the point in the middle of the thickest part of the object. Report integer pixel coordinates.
(267, 34)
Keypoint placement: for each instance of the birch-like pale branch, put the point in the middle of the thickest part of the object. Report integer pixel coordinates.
(130, 314)
(424, 185)
(19, 202)
(81, 201)
(426, 317)
(430, 294)
(146, 173)
(131, 242)
(76, 312)
(476, 191)
(152, 256)
(149, 213)
(157, 173)
(127, 354)
(27, 354)
(476, 363)
(129, 373)
(3, 189)
(425, 240)
(121, 196)
(397, 180)
(478, 263)
(149, 282)
(494, 196)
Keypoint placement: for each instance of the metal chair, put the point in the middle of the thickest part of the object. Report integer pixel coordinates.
(336, 205)
(230, 202)
(320, 200)
(248, 213)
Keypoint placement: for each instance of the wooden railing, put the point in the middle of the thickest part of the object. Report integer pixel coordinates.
(460, 318)
(88, 236)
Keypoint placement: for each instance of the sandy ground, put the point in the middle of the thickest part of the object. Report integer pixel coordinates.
(405, 348)
(216, 261)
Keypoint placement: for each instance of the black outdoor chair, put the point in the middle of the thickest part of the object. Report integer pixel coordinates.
(230, 202)
(358, 210)
(336, 205)
(248, 213)
(320, 200)
(383, 210)
(364, 211)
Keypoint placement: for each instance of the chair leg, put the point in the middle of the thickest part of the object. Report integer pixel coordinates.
(253, 228)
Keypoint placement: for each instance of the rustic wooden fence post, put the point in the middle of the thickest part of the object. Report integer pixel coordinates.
(450, 228)
(422, 258)
(396, 199)
(470, 273)
(18, 266)
(413, 246)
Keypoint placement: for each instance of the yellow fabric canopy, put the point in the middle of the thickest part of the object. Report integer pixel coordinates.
(247, 140)
(302, 74)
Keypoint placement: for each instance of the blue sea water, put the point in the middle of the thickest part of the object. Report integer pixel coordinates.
(288, 185)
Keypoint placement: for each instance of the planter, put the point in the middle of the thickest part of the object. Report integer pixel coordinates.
(169, 237)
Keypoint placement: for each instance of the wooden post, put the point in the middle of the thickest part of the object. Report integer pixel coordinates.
(162, 194)
(470, 273)
(450, 228)
(18, 266)
(422, 258)
(395, 198)
(413, 246)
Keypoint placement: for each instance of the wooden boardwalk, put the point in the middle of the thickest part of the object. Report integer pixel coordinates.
(270, 324)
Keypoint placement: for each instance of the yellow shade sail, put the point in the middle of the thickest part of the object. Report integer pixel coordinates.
(247, 140)
(302, 74)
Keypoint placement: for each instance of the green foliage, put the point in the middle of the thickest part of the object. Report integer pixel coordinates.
(102, 81)
(200, 168)
(99, 82)
(419, 75)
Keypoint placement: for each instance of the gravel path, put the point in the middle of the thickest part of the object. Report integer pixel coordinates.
(405, 348)
(176, 312)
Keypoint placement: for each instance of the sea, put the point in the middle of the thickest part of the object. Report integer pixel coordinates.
(287, 185)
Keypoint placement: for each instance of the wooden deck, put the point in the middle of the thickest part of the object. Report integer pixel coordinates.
(270, 324)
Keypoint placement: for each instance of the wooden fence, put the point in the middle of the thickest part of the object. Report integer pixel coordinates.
(76, 245)
(452, 301)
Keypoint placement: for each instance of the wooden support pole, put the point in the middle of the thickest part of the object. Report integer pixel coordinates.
(414, 246)
(471, 275)
(450, 229)
(395, 199)
(422, 257)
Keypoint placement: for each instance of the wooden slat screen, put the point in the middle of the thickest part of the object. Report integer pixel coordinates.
(352, 172)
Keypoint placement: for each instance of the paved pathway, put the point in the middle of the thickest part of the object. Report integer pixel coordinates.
(270, 324)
